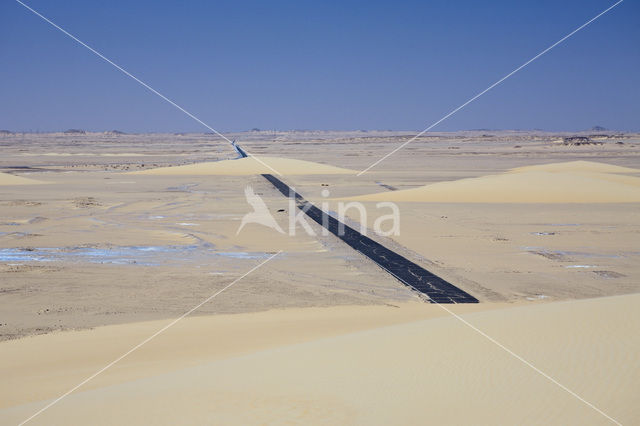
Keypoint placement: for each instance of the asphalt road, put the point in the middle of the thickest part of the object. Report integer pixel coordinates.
(407, 272)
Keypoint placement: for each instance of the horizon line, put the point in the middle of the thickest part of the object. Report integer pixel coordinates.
(80, 131)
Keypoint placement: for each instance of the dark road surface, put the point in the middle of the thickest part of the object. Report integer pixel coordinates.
(407, 272)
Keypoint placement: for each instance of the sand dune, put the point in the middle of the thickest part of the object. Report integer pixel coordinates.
(575, 182)
(400, 363)
(435, 370)
(8, 179)
(250, 166)
(576, 166)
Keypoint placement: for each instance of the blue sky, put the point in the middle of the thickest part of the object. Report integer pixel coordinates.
(319, 65)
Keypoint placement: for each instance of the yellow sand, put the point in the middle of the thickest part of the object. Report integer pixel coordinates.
(577, 166)
(8, 179)
(298, 366)
(575, 182)
(250, 166)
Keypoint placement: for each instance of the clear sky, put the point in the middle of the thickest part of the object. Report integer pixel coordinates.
(319, 65)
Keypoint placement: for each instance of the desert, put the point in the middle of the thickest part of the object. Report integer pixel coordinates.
(102, 247)
(319, 213)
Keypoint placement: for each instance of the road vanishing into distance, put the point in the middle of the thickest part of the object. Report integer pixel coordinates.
(404, 270)
(407, 272)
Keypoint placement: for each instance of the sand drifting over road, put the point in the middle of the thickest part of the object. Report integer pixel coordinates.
(8, 179)
(249, 166)
(574, 182)
(300, 366)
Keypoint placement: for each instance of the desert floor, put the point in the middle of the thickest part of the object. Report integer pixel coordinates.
(105, 238)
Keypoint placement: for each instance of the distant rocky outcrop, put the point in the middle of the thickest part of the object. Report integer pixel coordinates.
(75, 132)
(579, 140)
(6, 132)
(598, 129)
(114, 132)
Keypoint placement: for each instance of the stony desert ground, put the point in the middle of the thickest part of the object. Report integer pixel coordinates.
(106, 237)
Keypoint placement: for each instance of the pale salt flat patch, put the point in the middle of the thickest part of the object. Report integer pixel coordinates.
(569, 253)
(187, 224)
(580, 266)
(543, 233)
(585, 254)
(123, 255)
(156, 217)
(537, 297)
